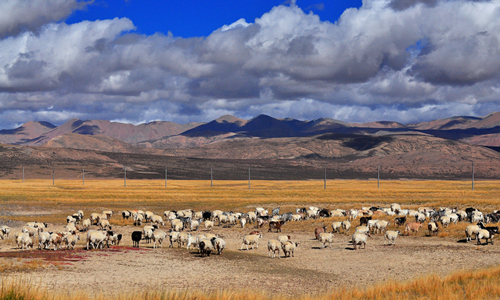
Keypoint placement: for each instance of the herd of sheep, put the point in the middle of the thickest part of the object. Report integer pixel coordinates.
(186, 220)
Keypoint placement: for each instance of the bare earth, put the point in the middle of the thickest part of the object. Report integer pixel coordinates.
(313, 270)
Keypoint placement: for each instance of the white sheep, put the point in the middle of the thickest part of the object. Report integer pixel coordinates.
(56, 239)
(391, 236)
(252, 217)
(453, 218)
(80, 213)
(296, 217)
(371, 225)
(359, 238)
(283, 238)
(43, 240)
(193, 241)
(273, 246)
(70, 219)
(381, 225)
(158, 220)
(477, 216)
(71, 240)
(195, 224)
(96, 239)
(326, 238)
(362, 229)
(182, 239)
(219, 244)
(445, 221)
(126, 214)
(420, 218)
(104, 224)
(94, 218)
(433, 228)
(336, 226)
(252, 239)
(148, 215)
(86, 224)
(485, 234)
(159, 236)
(71, 228)
(113, 238)
(209, 225)
(148, 232)
(19, 238)
(26, 242)
(242, 222)
(4, 231)
(289, 248)
(173, 237)
(346, 225)
(471, 230)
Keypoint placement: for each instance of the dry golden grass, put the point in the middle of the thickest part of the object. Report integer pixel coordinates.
(67, 196)
(480, 284)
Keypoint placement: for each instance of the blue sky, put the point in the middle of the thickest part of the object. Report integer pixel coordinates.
(194, 61)
(194, 18)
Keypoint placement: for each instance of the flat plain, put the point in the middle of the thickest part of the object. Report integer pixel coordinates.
(313, 271)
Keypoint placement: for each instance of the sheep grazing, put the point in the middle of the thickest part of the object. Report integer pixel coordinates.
(274, 246)
(242, 222)
(138, 219)
(289, 248)
(391, 236)
(284, 238)
(412, 228)
(381, 226)
(358, 239)
(277, 225)
(96, 239)
(364, 220)
(362, 229)
(4, 232)
(371, 225)
(296, 217)
(433, 228)
(400, 221)
(71, 240)
(326, 238)
(70, 219)
(159, 236)
(113, 238)
(195, 224)
(104, 224)
(445, 221)
(206, 247)
(56, 239)
(420, 218)
(336, 226)
(173, 237)
(209, 225)
(193, 241)
(19, 238)
(251, 240)
(108, 214)
(182, 239)
(148, 233)
(86, 224)
(126, 214)
(26, 242)
(319, 230)
(218, 244)
(346, 225)
(485, 234)
(136, 238)
(43, 240)
(471, 230)
(94, 218)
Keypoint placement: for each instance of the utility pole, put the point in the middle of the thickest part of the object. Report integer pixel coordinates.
(53, 174)
(378, 175)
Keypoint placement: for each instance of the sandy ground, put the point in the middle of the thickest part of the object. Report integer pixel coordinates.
(314, 269)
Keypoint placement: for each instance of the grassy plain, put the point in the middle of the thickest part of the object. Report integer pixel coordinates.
(479, 284)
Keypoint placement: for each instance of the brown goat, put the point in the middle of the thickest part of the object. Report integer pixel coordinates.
(319, 230)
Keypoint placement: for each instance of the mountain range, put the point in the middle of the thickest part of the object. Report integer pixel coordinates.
(424, 150)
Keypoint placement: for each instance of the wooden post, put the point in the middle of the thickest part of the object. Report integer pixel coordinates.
(211, 177)
(472, 175)
(53, 175)
(248, 177)
(325, 179)
(125, 176)
(378, 175)
(166, 173)
(83, 175)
